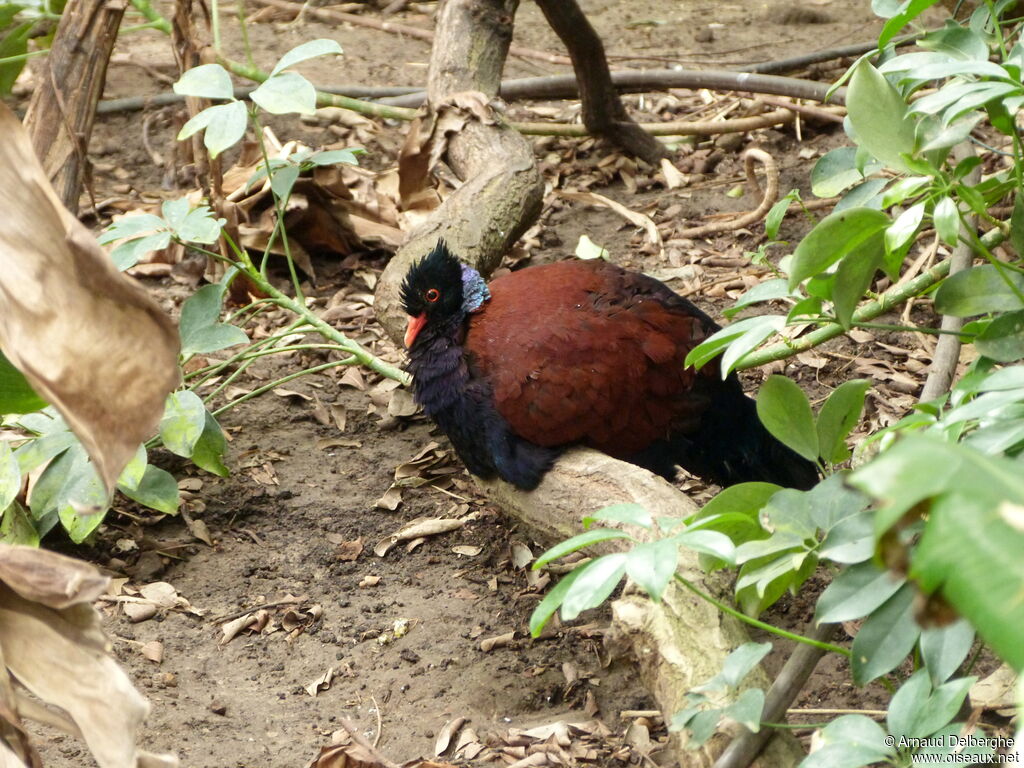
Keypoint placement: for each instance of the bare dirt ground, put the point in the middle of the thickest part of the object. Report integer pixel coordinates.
(401, 634)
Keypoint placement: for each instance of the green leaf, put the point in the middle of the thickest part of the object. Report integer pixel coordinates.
(867, 194)
(760, 328)
(837, 417)
(652, 564)
(747, 709)
(207, 81)
(183, 422)
(1017, 224)
(947, 221)
(945, 648)
(552, 600)
(348, 156)
(831, 239)
(969, 551)
(127, 254)
(10, 475)
(1003, 339)
(286, 93)
(17, 528)
(766, 326)
(702, 727)
(636, 514)
(857, 591)
(886, 637)
(132, 474)
(775, 215)
(777, 288)
(208, 452)
(132, 226)
(158, 490)
(16, 394)
(850, 541)
(199, 326)
(854, 275)
(577, 542)
(14, 43)
(745, 498)
(980, 290)
(917, 711)
(850, 741)
(785, 412)
(904, 188)
(907, 13)
(879, 117)
(283, 179)
(83, 502)
(595, 583)
(307, 50)
(199, 225)
(735, 667)
(837, 170)
(34, 453)
(905, 227)
(711, 543)
(226, 126)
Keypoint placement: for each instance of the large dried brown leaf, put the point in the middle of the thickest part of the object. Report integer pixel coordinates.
(61, 657)
(45, 577)
(87, 338)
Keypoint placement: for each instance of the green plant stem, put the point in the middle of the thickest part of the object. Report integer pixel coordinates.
(865, 313)
(22, 57)
(139, 27)
(280, 381)
(359, 353)
(911, 329)
(215, 24)
(728, 609)
(252, 354)
(156, 21)
(324, 99)
(280, 206)
(244, 27)
(793, 726)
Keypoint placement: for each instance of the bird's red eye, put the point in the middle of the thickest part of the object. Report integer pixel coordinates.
(432, 295)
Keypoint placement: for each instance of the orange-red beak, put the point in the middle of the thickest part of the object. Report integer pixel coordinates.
(415, 326)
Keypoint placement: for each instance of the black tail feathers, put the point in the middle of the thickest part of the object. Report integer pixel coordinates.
(732, 446)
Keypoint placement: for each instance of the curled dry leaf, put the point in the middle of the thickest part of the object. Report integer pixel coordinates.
(445, 735)
(467, 550)
(87, 338)
(390, 500)
(45, 577)
(414, 529)
(321, 683)
(60, 656)
(498, 641)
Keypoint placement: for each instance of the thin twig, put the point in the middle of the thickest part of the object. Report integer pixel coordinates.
(787, 686)
(376, 708)
(947, 350)
(359, 739)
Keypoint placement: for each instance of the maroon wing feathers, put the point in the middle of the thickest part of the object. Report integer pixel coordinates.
(585, 352)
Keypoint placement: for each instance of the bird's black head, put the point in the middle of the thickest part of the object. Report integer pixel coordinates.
(439, 289)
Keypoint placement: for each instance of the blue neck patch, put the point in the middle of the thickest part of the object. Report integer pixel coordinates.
(474, 290)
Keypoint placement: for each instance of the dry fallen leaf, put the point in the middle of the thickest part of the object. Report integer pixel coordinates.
(61, 657)
(321, 683)
(153, 650)
(444, 736)
(87, 338)
(414, 529)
